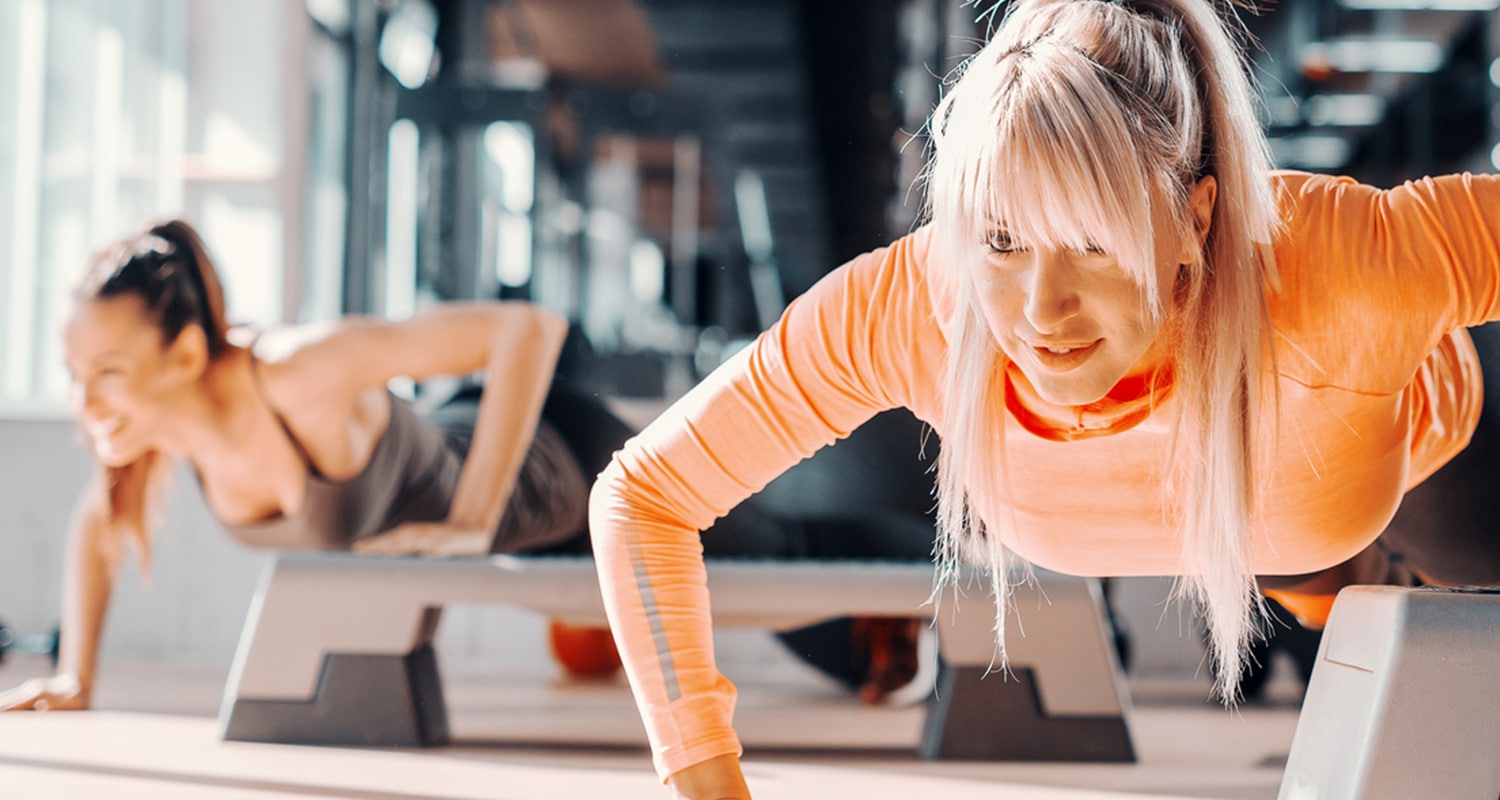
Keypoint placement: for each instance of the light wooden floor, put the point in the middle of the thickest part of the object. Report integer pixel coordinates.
(520, 735)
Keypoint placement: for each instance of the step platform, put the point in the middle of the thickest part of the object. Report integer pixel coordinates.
(1404, 701)
(338, 649)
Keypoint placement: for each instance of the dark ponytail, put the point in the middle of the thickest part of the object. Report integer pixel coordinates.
(168, 268)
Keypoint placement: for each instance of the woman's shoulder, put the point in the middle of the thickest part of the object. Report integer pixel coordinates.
(1297, 182)
(906, 274)
(278, 344)
(294, 362)
(1312, 205)
(1342, 313)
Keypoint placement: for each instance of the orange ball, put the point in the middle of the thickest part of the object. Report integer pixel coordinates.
(583, 651)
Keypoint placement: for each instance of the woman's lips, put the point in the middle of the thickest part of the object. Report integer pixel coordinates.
(1063, 357)
(103, 434)
(104, 428)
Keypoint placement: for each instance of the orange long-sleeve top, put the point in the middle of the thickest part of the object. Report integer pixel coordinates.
(1378, 387)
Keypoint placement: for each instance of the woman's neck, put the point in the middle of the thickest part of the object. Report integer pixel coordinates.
(217, 416)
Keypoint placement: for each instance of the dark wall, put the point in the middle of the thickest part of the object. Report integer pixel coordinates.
(852, 57)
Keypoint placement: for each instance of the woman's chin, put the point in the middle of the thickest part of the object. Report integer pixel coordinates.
(1068, 390)
(116, 457)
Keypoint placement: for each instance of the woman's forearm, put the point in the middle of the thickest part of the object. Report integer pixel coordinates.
(523, 356)
(654, 584)
(91, 559)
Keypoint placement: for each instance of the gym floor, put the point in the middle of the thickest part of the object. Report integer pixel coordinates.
(534, 736)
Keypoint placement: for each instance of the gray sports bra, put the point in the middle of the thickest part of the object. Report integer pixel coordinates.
(410, 477)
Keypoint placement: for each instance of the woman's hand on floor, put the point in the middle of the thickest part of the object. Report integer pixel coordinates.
(58, 693)
(427, 539)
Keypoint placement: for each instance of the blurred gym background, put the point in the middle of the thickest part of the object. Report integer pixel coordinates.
(668, 173)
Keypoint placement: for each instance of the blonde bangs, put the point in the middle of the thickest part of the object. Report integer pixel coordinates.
(1054, 163)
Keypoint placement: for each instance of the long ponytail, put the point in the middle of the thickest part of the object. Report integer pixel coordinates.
(191, 264)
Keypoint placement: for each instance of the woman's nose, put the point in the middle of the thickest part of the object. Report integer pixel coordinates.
(84, 399)
(1052, 296)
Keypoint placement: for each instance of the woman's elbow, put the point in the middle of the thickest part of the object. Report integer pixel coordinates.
(548, 323)
(513, 320)
(608, 506)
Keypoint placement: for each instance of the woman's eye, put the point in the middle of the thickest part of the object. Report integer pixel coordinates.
(1000, 242)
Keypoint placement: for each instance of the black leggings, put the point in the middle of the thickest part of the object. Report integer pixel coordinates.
(756, 529)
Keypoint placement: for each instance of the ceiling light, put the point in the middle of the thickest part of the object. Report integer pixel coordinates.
(1311, 152)
(408, 43)
(1376, 55)
(1344, 110)
(1424, 5)
(331, 14)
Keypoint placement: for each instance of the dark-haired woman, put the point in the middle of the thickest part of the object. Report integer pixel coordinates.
(294, 437)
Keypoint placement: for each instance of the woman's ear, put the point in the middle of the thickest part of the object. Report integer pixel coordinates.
(189, 352)
(1201, 199)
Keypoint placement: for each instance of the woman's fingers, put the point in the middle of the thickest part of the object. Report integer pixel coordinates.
(425, 538)
(449, 541)
(21, 698)
(392, 542)
(61, 693)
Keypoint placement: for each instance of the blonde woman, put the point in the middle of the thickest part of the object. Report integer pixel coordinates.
(1145, 354)
(294, 438)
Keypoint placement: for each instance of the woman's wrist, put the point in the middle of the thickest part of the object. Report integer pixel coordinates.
(72, 683)
(718, 778)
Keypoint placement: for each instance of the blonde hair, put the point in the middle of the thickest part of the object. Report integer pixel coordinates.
(1080, 123)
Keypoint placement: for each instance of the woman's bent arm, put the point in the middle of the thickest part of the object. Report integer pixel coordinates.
(856, 344)
(523, 355)
(516, 344)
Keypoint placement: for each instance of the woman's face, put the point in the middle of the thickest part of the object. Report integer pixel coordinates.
(1074, 320)
(125, 379)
